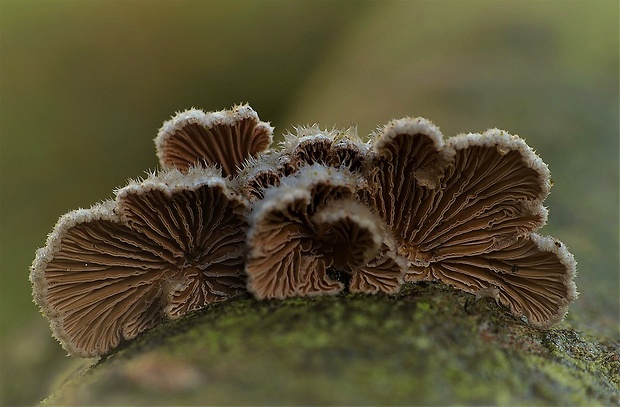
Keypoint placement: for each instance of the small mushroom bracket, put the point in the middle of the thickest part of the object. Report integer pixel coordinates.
(168, 245)
(467, 215)
(224, 138)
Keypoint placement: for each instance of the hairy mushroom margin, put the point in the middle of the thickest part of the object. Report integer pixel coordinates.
(224, 138)
(465, 211)
(311, 224)
(323, 213)
(166, 246)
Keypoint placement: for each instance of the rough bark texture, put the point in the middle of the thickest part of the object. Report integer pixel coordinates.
(428, 345)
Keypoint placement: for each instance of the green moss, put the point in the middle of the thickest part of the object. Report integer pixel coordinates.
(429, 345)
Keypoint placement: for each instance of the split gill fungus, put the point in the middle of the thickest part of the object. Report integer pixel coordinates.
(311, 223)
(322, 213)
(225, 139)
(167, 245)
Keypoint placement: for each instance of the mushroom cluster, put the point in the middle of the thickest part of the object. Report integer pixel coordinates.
(324, 213)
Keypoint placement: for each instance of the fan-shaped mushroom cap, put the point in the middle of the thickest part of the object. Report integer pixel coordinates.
(224, 138)
(474, 195)
(168, 245)
(310, 145)
(335, 148)
(354, 234)
(412, 148)
(360, 245)
(309, 224)
(258, 174)
(283, 258)
(533, 277)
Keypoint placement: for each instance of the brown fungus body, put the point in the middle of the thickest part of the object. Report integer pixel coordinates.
(467, 215)
(310, 145)
(324, 213)
(168, 245)
(307, 146)
(258, 174)
(225, 139)
(312, 224)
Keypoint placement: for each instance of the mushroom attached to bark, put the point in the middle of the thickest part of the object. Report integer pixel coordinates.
(225, 139)
(312, 225)
(467, 214)
(166, 246)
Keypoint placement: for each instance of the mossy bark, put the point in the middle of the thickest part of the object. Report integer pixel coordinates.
(428, 345)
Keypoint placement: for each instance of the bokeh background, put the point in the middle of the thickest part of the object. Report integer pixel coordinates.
(86, 84)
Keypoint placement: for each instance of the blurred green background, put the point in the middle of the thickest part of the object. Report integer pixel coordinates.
(86, 84)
